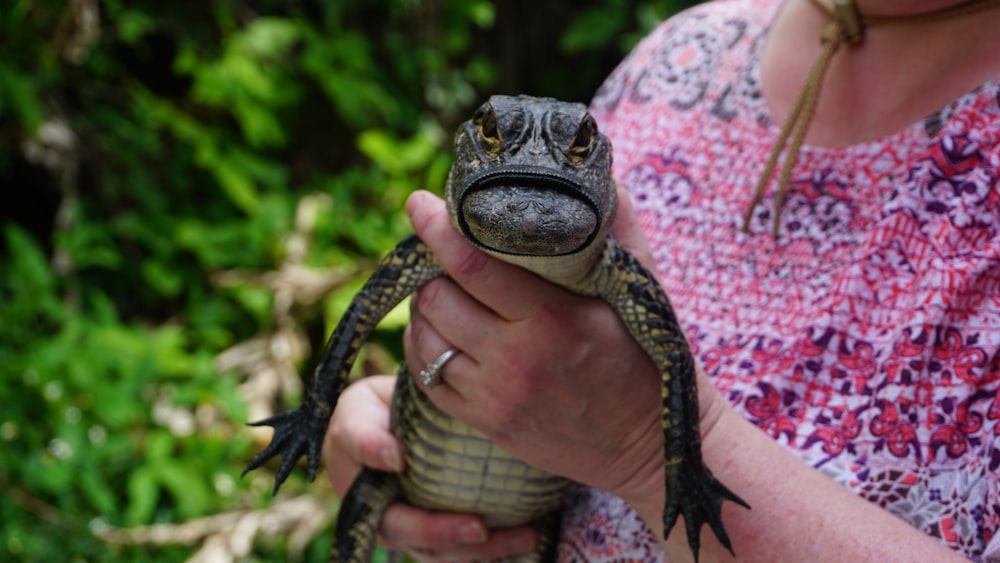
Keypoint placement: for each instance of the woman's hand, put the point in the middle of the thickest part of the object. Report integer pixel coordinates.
(549, 375)
(595, 431)
(359, 435)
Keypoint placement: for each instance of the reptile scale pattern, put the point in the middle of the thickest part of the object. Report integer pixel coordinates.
(448, 461)
(866, 338)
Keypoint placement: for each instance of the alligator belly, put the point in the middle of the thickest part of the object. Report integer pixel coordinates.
(453, 467)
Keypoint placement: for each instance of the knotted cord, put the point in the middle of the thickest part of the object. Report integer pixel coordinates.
(847, 26)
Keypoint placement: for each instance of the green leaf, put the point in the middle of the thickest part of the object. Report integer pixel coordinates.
(162, 278)
(594, 29)
(186, 486)
(143, 494)
(396, 155)
(27, 284)
(237, 184)
(257, 300)
(267, 172)
(159, 447)
(267, 37)
(18, 96)
(261, 127)
(482, 13)
(133, 25)
(224, 244)
(90, 245)
(96, 490)
(118, 408)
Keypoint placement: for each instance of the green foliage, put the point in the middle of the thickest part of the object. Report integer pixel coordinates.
(150, 151)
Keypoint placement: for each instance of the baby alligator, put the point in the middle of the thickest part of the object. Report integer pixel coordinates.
(531, 184)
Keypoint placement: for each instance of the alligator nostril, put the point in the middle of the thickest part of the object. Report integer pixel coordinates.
(543, 209)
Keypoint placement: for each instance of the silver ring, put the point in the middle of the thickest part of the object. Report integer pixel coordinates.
(431, 375)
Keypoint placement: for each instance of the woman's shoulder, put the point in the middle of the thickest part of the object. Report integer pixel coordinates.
(752, 12)
(974, 116)
(695, 72)
(721, 23)
(690, 58)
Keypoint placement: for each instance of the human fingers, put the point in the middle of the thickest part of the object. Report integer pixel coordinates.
(446, 536)
(468, 322)
(445, 318)
(572, 362)
(359, 433)
(510, 291)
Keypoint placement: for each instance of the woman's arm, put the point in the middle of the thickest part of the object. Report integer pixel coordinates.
(798, 514)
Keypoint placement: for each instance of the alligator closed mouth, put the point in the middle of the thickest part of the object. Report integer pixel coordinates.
(531, 184)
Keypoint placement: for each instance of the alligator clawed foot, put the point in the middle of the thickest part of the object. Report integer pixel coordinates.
(699, 497)
(296, 432)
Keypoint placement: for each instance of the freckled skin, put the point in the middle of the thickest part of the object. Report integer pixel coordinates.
(531, 184)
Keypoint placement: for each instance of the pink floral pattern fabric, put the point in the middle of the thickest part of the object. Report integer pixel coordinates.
(866, 337)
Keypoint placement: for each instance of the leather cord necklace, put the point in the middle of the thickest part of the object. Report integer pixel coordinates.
(848, 26)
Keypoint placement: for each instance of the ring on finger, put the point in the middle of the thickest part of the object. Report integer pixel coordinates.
(431, 375)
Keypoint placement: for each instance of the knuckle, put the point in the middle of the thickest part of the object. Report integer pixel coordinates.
(565, 316)
(504, 410)
(428, 295)
(504, 418)
(469, 264)
(524, 377)
(433, 532)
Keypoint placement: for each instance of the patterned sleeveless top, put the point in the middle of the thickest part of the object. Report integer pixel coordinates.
(866, 338)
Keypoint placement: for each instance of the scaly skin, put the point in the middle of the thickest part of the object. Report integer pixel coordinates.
(531, 185)
(450, 466)
(633, 292)
(409, 266)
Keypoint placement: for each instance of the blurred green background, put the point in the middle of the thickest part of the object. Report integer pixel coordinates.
(190, 193)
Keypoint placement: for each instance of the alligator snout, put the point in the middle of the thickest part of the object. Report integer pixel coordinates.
(528, 220)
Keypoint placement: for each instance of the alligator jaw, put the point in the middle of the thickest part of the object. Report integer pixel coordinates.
(527, 211)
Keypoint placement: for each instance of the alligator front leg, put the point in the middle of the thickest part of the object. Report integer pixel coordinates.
(646, 311)
(301, 431)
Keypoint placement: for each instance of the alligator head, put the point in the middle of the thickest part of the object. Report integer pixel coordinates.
(531, 178)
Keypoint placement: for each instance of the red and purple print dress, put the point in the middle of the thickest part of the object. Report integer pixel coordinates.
(866, 338)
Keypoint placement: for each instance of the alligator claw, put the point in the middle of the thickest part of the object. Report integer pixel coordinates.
(295, 433)
(699, 496)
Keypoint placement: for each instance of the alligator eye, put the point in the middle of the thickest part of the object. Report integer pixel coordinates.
(583, 141)
(489, 134)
